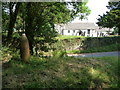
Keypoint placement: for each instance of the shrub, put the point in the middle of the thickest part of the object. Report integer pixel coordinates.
(59, 53)
(6, 54)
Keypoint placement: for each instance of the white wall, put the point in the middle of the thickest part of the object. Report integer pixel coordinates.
(71, 32)
(93, 33)
(101, 34)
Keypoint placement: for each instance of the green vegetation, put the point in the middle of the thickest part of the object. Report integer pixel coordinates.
(78, 44)
(58, 54)
(62, 72)
(61, 37)
(109, 48)
(38, 19)
(71, 44)
(111, 19)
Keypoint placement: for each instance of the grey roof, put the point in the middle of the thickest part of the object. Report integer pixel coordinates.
(76, 26)
(104, 29)
(82, 26)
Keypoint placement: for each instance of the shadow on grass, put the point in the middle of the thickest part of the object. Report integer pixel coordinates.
(66, 72)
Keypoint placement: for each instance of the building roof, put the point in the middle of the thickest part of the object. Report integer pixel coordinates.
(77, 26)
(82, 26)
(104, 29)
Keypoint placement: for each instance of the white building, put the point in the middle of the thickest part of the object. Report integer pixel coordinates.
(81, 29)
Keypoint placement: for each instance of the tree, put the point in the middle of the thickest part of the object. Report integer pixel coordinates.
(41, 17)
(112, 18)
(10, 10)
(5, 16)
(13, 15)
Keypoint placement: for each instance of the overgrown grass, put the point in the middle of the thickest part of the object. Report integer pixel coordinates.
(109, 48)
(61, 72)
(68, 37)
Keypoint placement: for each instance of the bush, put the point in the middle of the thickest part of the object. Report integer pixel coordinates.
(59, 53)
(85, 43)
(109, 48)
(6, 54)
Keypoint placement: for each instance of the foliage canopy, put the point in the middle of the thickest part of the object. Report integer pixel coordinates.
(112, 18)
(38, 18)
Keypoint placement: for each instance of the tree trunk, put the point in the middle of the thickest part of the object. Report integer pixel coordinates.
(29, 27)
(13, 16)
(118, 30)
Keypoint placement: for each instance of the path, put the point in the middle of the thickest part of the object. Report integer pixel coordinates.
(100, 54)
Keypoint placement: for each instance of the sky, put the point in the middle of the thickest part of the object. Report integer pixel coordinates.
(97, 7)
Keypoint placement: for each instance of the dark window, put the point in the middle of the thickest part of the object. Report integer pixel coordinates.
(80, 32)
(62, 31)
(84, 33)
(102, 34)
(88, 31)
(68, 31)
(97, 33)
(73, 31)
